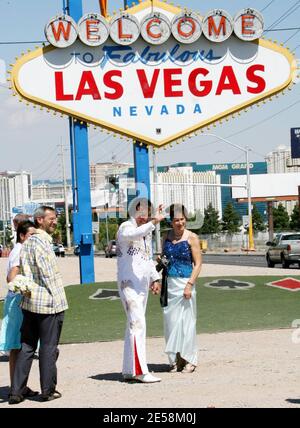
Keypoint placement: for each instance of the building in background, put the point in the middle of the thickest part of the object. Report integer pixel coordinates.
(15, 189)
(280, 161)
(112, 184)
(100, 173)
(109, 184)
(198, 197)
(218, 174)
(181, 184)
(51, 192)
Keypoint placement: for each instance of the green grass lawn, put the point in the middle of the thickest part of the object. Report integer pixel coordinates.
(261, 307)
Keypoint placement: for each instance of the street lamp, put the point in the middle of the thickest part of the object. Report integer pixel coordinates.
(106, 219)
(246, 151)
(157, 227)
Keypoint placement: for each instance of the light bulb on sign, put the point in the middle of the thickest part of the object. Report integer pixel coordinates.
(217, 25)
(61, 31)
(93, 29)
(155, 28)
(124, 29)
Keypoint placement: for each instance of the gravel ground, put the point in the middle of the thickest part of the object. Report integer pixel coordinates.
(247, 369)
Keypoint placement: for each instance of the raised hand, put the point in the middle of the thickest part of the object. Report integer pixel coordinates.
(159, 215)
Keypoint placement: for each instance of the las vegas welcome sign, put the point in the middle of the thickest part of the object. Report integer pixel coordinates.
(155, 72)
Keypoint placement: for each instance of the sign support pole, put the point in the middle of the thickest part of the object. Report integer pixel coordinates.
(141, 157)
(299, 199)
(270, 220)
(155, 196)
(250, 230)
(82, 216)
(141, 170)
(246, 151)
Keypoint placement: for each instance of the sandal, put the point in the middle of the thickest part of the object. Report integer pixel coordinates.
(180, 362)
(189, 368)
(173, 368)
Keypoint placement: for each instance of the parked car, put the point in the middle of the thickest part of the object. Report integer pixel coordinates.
(111, 249)
(59, 250)
(284, 249)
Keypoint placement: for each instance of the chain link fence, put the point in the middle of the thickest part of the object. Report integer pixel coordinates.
(223, 242)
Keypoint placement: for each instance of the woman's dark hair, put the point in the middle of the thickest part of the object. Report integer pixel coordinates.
(176, 209)
(23, 228)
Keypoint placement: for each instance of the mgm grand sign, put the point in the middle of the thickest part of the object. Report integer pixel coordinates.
(154, 73)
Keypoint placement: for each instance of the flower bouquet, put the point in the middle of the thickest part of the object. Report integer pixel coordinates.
(21, 284)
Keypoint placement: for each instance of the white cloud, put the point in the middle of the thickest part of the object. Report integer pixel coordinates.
(17, 115)
(22, 119)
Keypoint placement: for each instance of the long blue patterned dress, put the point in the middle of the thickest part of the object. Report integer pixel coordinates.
(180, 314)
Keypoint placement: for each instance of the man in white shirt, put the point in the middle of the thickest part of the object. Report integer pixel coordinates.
(136, 274)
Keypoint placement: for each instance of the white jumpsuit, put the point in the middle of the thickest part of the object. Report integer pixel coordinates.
(136, 272)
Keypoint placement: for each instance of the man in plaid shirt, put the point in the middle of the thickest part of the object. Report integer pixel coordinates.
(43, 310)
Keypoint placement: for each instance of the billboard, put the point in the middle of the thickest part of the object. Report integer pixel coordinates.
(267, 186)
(27, 208)
(154, 73)
(295, 143)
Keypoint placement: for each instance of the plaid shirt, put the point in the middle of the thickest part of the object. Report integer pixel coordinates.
(38, 263)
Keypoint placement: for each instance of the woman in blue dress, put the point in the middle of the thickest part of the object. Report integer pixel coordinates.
(182, 249)
(10, 337)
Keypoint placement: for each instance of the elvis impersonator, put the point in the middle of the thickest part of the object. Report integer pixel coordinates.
(136, 274)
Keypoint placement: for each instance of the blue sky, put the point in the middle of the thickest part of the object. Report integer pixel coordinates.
(29, 138)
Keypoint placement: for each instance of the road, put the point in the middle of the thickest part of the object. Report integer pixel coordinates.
(257, 260)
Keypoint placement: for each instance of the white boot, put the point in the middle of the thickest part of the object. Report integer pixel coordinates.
(147, 378)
